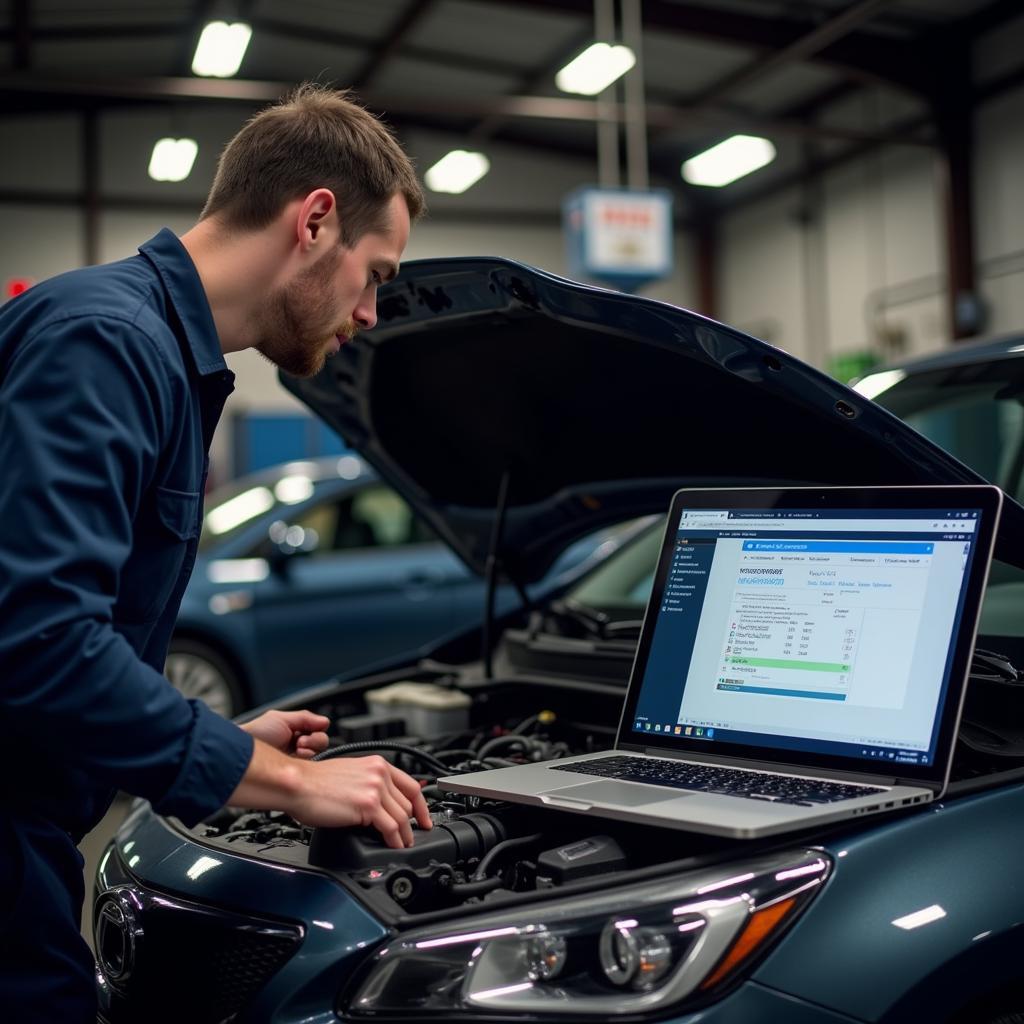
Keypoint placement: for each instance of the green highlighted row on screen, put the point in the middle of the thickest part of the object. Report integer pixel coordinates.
(810, 666)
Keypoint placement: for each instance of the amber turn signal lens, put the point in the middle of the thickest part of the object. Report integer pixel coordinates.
(761, 924)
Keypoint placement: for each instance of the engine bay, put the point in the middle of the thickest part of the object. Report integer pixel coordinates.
(482, 851)
(479, 850)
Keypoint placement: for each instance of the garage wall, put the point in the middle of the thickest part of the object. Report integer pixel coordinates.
(853, 265)
(858, 263)
(999, 210)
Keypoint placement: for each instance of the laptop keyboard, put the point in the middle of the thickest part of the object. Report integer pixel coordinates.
(781, 789)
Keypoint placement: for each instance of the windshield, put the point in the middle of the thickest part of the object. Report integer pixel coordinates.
(620, 587)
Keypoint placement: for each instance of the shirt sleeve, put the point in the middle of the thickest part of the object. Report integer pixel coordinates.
(83, 407)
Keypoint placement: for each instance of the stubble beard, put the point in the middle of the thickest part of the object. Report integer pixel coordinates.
(296, 325)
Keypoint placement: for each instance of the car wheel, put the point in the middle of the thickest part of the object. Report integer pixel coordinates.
(196, 669)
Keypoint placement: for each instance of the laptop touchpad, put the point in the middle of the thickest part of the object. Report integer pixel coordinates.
(609, 791)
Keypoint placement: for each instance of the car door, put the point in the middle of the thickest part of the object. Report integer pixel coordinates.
(366, 580)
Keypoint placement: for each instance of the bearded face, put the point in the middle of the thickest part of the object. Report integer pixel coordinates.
(314, 313)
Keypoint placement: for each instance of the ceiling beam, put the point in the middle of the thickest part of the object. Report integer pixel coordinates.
(286, 30)
(21, 34)
(814, 105)
(546, 108)
(994, 16)
(533, 81)
(351, 41)
(864, 56)
(154, 89)
(87, 33)
(802, 48)
(415, 11)
(1004, 83)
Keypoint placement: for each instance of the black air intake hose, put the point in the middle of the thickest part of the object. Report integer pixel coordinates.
(353, 849)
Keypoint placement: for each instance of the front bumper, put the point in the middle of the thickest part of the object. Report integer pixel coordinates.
(186, 934)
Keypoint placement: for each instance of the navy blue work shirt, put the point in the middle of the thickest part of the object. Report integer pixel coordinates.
(111, 383)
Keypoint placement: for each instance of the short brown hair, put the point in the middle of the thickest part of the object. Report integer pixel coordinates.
(315, 137)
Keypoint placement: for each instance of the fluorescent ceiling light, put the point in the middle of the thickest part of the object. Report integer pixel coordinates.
(595, 69)
(728, 161)
(172, 159)
(221, 49)
(456, 171)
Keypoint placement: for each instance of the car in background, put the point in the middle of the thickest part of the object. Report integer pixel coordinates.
(315, 568)
(969, 399)
(519, 412)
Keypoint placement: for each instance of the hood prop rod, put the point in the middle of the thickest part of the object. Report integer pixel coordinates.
(493, 569)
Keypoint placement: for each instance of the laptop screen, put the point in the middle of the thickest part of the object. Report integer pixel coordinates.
(808, 630)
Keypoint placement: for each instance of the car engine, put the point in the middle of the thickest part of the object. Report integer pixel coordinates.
(478, 849)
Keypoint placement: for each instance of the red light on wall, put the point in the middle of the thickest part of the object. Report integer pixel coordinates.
(15, 286)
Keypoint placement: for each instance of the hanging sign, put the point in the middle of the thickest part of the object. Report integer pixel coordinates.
(621, 237)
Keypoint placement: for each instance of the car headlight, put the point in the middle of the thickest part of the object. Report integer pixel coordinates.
(638, 949)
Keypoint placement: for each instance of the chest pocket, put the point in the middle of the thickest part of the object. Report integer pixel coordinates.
(165, 533)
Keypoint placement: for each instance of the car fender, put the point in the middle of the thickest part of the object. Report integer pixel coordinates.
(955, 864)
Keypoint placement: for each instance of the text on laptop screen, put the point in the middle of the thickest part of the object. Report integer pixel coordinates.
(821, 631)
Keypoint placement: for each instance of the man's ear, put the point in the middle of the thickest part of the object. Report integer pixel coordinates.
(317, 222)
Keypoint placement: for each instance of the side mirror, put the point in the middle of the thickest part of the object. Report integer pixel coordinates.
(287, 541)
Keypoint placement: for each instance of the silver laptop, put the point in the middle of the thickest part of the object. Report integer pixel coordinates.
(803, 659)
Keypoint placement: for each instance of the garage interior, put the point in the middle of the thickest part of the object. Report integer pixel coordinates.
(888, 225)
(885, 227)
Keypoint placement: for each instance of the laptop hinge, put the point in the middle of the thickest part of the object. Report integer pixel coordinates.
(795, 769)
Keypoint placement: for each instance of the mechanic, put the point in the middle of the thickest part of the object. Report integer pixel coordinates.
(112, 379)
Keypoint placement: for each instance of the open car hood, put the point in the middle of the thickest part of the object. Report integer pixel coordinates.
(594, 406)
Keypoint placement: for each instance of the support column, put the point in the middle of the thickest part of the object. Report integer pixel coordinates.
(707, 252)
(954, 121)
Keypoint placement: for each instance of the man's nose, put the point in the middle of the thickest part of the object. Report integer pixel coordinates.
(365, 313)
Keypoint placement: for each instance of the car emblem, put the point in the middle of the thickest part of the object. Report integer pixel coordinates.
(118, 935)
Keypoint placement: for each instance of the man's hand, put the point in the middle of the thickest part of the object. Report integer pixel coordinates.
(292, 732)
(361, 791)
(337, 793)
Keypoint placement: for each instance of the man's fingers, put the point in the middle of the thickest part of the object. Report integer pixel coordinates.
(410, 789)
(305, 721)
(313, 743)
(399, 798)
(388, 821)
(388, 828)
(401, 816)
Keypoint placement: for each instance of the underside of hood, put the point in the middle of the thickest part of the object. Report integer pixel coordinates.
(595, 405)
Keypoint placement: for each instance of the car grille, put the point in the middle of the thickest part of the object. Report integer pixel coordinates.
(163, 959)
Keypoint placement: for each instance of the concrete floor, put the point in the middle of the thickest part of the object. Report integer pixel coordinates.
(92, 847)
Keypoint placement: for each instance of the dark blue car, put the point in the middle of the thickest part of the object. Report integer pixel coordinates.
(519, 412)
(318, 567)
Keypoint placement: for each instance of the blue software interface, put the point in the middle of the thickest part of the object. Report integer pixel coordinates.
(827, 632)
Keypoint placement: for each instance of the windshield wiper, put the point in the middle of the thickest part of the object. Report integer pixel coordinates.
(594, 623)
